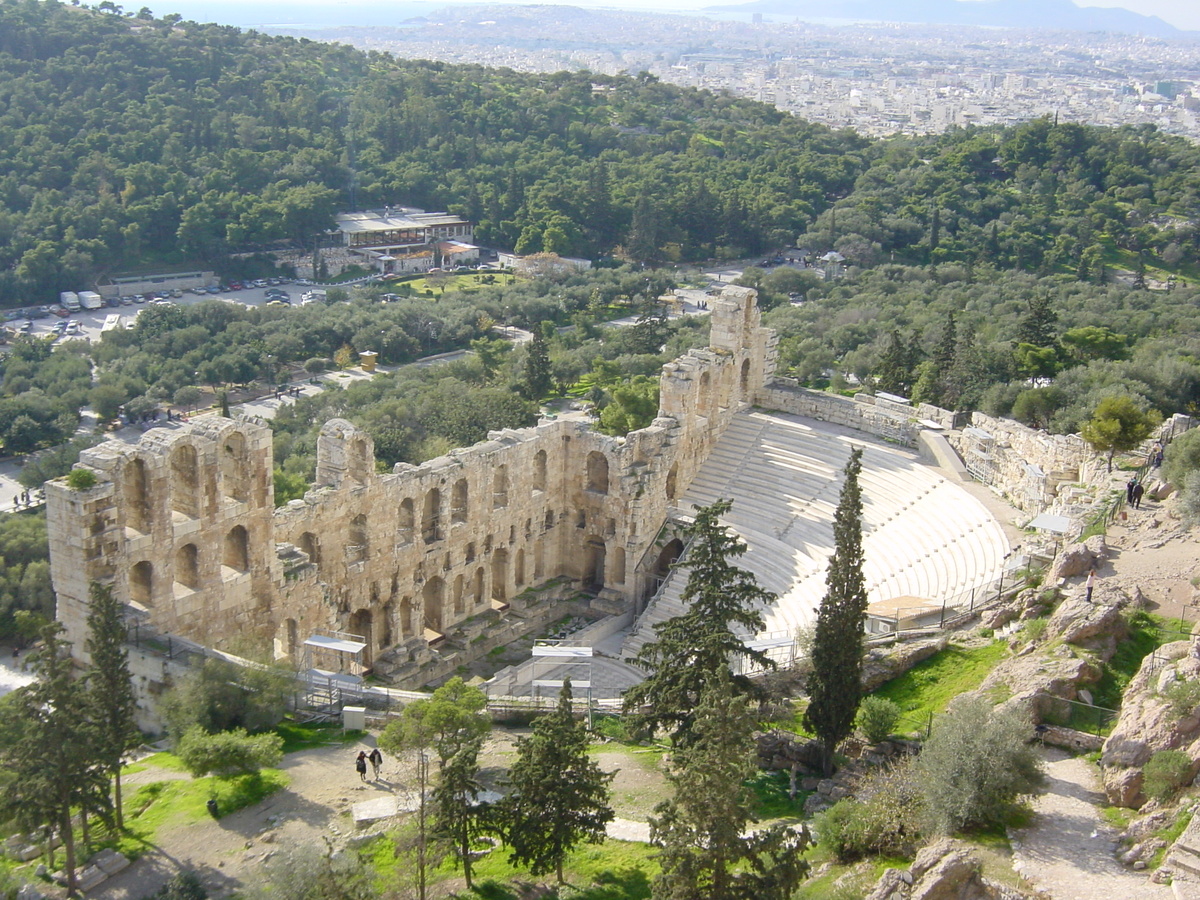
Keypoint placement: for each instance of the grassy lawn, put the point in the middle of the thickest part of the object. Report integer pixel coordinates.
(164, 805)
(465, 283)
(312, 735)
(614, 870)
(927, 688)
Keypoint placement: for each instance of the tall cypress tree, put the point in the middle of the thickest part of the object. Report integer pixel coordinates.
(835, 686)
(112, 706)
(559, 795)
(723, 603)
(456, 815)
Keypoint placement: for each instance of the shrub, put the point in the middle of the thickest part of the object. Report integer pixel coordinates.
(184, 886)
(221, 695)
(884, 819)
(975, 765)
(1034, 629)
(81, 479)
(1184, 697)
(876, 718)
(228, 752)
(1165, 773)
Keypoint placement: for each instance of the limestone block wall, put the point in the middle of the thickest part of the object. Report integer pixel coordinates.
(184, 526)
(892, 421)
(1026, 466)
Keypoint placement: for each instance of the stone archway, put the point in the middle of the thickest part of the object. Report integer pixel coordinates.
(361, 625)
(432, 598)
(593, 565)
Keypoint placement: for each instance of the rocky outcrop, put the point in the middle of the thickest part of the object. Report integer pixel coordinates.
(945, 870)
(1034, 680)
(882, 664)
(1097, 625)
(1150, 723)
(1078, 559)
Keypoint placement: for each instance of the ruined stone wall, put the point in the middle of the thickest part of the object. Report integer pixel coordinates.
(1030, 468)
(183, 524)
(863, 412)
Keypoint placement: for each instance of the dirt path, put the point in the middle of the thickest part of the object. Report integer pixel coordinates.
(1067, 851)
(229, 853)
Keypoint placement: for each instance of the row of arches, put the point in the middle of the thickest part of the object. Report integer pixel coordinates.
(186, 489)
(189, 566)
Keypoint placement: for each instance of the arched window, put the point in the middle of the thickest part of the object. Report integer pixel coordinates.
(539, 470)
(459, 600)
(405, 524)
(185, 481)
(138, 512)
(431, 517)
(459, 508)
(519, 569)
(187, 566)
(500, 488)
(672, 477)
(745, 379)
(237, 549)
(597, 472)
(311, 545)
(141, 583)
(500, 575)
(358, 548)
(233, 467)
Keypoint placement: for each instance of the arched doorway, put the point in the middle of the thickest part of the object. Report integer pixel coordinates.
(662, 566)
(593, 565)
(360, 624)
(431, 600)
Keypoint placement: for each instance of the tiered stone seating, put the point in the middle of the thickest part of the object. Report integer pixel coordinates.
(922, 535)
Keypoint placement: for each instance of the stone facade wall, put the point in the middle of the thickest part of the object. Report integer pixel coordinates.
(183, 524)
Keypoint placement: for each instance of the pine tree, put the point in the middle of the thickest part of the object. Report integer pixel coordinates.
(112, 706)
(559, 795)
(706, 854)
(835, 685)
(1036, 327)
(693, 647)
(455, 813)
(894, 373)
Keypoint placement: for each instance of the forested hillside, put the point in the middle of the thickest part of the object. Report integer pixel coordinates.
(131, 142)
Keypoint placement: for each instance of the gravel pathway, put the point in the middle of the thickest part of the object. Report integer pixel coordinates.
(1067, 851)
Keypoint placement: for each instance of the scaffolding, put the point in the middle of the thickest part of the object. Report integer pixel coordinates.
(333, 671)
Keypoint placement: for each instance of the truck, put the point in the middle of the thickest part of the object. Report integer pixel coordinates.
(111, 321)
(69, 300)
(90, 300)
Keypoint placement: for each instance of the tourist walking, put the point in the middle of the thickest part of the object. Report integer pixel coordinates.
(1091, 584)
(1129, 486)
(360, 765)
(1139, 491)
(376, 759)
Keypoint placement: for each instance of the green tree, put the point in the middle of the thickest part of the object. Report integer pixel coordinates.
(221, 695)
(538, 380)
(1118, 425)
(706, 854)
(112, 706)
(633, 405)
(453, 718)
(876, 718)
(975, 765)
(558, 796)
(49, 768)
(457, 814)
(723, 603)
(1036, 327)
(227, 753)
(1182, 457)
(835, 686)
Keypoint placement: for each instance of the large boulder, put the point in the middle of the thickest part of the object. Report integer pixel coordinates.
(944, 870)
(1149, 722)
(1097, 625)
(1078, 559)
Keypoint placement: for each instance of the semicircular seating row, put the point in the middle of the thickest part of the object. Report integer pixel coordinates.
(922, 535)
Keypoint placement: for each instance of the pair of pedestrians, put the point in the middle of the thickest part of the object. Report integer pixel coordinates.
(375, 759)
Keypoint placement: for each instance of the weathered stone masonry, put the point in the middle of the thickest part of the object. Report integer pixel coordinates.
(183, 524)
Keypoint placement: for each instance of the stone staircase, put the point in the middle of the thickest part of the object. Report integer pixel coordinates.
(922, 535)
(1183, 859)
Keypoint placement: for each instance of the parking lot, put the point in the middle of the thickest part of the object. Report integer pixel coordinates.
(91, 321)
